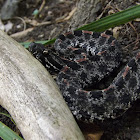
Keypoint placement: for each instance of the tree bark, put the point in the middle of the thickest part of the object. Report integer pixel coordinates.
(86, 12)
(31, 96)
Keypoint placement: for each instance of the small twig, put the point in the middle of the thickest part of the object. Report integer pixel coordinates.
(108, 5)
(35, 23)
(133, 28)
(24, 23)
(40, 9)
(42, 6)
(135, 42)
(66, 18)
(137, 38)
(22, 33)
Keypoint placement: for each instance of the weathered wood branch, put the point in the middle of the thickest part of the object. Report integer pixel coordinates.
(31, 96)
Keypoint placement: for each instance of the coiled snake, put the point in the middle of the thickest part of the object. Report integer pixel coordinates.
(83, 59)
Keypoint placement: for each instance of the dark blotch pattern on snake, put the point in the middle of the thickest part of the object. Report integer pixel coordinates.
(84, 58)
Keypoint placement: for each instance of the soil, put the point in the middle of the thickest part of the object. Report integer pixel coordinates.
(53, 16)
(52, 12)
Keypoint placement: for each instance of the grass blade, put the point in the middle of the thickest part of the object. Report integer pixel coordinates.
(45, 42)
(113, 20)
(9, 116)
(7, 134)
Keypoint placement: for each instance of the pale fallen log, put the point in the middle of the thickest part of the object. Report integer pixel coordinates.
(31, 96)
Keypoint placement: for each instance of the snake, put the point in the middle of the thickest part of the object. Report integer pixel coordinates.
(83, 59)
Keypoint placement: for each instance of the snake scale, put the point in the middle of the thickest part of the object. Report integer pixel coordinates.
(83, 59)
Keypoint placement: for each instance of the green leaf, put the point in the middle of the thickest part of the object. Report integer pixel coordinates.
(7, 134)
(45, 42)
(35, 12)
(9, 116)
(113, 20)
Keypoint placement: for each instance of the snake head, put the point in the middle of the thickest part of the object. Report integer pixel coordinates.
(46, 56)
(37, 50)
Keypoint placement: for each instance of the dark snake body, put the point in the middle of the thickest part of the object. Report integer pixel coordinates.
(83, 59)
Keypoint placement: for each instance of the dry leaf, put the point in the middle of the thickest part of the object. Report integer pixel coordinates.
(116, 31)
